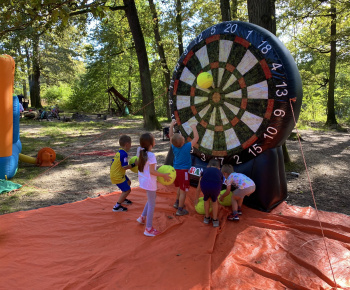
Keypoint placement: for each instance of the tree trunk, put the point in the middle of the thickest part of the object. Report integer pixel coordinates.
(28, 70)
(262, 13)
(179, 27)
(331, 120)
(35, 77)
(129, 83)
(234, 9)
(225, 10)
(149, 114)
(161, 53)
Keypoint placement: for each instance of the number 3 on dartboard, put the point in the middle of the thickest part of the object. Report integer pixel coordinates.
(203, 157)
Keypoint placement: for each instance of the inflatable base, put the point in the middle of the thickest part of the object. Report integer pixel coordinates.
(266, 170)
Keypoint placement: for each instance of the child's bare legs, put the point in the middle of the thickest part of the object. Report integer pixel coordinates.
(123, 196)
(180, 210)
(206, 207)
(215, 210)
(239, 203)
(235, 200)
(182, 198)
(176, 204)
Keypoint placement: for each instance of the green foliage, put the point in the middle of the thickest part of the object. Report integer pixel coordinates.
(308, 25)
(83, 54)
(58, 95)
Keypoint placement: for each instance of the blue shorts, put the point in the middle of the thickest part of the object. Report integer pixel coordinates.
(124, 186)
(210, 190)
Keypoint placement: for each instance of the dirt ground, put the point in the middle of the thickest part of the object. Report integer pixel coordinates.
(86, 174)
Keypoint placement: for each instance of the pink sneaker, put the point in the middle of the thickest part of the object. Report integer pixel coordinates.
(152, 232)
(141, 220)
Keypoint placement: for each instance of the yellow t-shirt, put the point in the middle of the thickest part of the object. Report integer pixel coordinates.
(117, 172)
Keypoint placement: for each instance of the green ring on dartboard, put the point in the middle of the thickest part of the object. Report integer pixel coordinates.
(248, 109)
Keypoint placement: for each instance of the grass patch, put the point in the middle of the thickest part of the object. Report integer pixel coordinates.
(293, 167)
(7, 202)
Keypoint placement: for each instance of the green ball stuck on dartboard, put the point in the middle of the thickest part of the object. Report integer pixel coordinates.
(205, 80)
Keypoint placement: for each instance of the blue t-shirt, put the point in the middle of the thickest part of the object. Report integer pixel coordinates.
(182, 156)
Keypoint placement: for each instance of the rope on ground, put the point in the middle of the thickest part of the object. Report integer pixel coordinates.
(313, 196)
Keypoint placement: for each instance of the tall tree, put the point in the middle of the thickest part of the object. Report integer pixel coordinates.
(161, 52)
(321, 44)
(262, 13)
(35, 99)
(179, 29)
(225, 10)
(331, 120)
(150, 119)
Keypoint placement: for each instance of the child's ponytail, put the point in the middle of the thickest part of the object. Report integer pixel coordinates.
(146, 140)
(142, 159)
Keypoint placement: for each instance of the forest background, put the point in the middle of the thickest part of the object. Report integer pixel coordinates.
(70, 52)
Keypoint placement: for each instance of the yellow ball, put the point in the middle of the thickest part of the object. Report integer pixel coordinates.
(227, 200)
(133, 160)
(166, 169)
(200, 206)
(205, 80)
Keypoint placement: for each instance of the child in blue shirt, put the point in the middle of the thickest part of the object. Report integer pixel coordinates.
(182, 163)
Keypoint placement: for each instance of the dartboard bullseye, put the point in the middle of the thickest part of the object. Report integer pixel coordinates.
(247, 108)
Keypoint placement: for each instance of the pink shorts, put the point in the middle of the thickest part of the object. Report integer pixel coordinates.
(182, 179)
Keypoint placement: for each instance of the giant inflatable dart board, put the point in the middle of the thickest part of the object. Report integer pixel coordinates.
(248, 108)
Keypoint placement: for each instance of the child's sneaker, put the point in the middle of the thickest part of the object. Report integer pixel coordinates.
(142, 220)
(233, 217)
(206, 220)
(239, 211)
(215, 223)
(127, 201)
(151, 233)
(181, 212)
(176, 204)
(119, 208)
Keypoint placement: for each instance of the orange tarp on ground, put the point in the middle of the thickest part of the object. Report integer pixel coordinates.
(84, 245)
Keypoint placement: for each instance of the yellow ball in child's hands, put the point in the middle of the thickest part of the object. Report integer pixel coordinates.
(133, 160)
(205, 80)
(200, 206)
(166, 169)
(227, 200)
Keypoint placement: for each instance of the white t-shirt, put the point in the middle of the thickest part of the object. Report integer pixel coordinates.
(148, 181)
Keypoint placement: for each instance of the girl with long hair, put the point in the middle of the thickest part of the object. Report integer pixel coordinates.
(148, 173)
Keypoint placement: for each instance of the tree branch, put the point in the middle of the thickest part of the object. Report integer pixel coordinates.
(117, 8)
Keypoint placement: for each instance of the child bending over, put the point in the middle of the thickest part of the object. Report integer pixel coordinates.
(210, 183)
(245, 187)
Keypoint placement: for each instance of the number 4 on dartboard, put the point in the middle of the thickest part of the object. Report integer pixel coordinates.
(275, 66)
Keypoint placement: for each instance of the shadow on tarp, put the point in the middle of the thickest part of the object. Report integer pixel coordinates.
(84, 245)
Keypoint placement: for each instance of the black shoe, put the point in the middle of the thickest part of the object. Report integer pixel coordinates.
(120, 208)
(127, 201)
